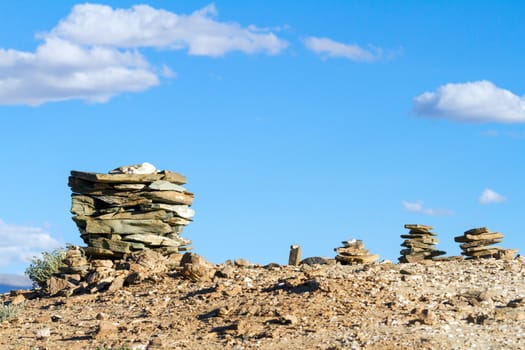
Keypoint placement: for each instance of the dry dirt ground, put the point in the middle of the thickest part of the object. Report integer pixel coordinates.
(474, 304)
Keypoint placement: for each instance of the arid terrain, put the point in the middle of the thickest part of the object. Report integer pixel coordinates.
(462, 304)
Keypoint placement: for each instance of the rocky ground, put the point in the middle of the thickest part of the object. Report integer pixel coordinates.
(471, 304)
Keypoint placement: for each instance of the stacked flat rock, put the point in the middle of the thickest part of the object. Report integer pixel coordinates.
(419, 244)
(129, 209)
(477, 242)
(354, 252)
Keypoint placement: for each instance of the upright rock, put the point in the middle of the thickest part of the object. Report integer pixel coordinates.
(419, 244)
(353, 252)
(131, 208)
(295, 255)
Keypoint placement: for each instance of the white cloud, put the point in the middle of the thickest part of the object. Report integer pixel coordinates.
(479, 101)
(144, 26)
(418, 207)
(19, 244)
(330, 48)
(93, 54)
(61, 70)
(489, 196)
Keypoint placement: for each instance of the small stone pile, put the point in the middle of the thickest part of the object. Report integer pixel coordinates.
(131, 208)
(353, 252)
(419, 243)
(477, 243)
(75, 263)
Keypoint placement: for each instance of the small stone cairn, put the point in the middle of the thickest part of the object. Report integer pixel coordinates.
(477, 243)
(353, 252)
(132, 208)
(419, 243)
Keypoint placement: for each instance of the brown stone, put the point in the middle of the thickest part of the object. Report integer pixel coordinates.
(484, 236)
(506, 254)
(114, 246)
(55, 285)
(196, 268)
(106, 329)
(135, 215)
(477, 231)
(486, 242)
(101, 253)
(124, 226)
(481, 253)
(295, 255)
(170, 197)
(418, 227)
(174, 177)
(117, 178)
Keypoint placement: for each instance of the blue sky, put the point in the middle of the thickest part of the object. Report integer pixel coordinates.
(295, 123)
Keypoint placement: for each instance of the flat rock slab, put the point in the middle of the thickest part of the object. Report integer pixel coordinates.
(180, 210)
(167, 175)
(419, 227)
(480, 243)
(357, 259)
(351, 251)
(480, 248)
(416, 244)
(124, 226)
(115, 246)
(136, 215)
(484, 236)
(123, 200)
(116, 178)
(101, 253)
(170, 197)
(152, 240)
(485, 252)
(163, 185)
(477, 231)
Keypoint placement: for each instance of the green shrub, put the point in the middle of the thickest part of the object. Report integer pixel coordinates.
(9, 311)
(41, 269)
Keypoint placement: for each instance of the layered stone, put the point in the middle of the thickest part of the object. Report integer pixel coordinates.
(419, 243)
(478, 243)
(131, 208)
(354, 252)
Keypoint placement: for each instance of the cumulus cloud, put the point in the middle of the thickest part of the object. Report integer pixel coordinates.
(93, 54)
(479, 101)
(418, 207)
(60, 70)
(144, 26)
(330, 48)
(489, 196)
(19, 243)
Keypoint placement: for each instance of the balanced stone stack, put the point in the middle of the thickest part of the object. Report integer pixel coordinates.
(129, 209)
(419, 244)
(354, 252)
(477, 243)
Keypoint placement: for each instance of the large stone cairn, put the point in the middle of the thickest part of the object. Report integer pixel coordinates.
(477, 243)
(131, 208)
(419, 244)
(353, 252)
